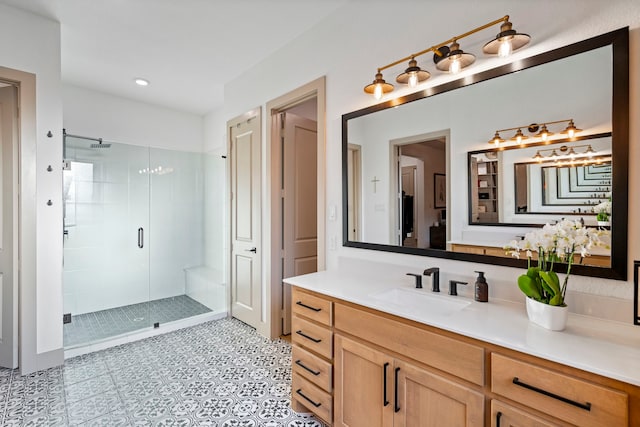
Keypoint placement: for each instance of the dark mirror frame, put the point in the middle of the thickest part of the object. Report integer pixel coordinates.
(619, 40)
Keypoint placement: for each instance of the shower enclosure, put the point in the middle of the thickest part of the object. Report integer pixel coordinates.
(134, 239)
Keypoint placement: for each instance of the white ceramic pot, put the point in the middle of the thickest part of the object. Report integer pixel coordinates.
(548, 316)
(603, 223)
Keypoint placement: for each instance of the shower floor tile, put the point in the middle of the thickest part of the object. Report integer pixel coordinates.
(99, 325)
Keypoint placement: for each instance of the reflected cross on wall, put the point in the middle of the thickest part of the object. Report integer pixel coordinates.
(375, 181)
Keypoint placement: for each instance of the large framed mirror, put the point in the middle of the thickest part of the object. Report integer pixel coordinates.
(417, 169)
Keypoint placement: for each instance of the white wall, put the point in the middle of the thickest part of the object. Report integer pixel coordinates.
(32, 44)
(349, 45)
(116, 119)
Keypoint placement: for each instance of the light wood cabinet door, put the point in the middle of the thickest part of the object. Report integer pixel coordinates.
(422, 398)
(360, 396)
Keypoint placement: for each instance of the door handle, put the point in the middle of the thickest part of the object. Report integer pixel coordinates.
(385, 402)
(396, 404)
(140, 237)
(254, 250)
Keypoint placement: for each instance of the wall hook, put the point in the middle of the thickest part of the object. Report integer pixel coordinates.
(49, 168)
(50, 134)
(49, 202)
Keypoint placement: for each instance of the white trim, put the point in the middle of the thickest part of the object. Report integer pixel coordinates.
(27, 327)
(145, 333)
(315, 89)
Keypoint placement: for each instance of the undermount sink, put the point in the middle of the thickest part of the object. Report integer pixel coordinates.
(422, 300)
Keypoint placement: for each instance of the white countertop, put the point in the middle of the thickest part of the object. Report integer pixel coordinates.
(599, 346)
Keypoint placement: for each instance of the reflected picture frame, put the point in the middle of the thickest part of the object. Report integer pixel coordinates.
(636, 314)
(439, 190)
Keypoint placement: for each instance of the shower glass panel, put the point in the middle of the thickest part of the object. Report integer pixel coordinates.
(106, 244)
(177, 239)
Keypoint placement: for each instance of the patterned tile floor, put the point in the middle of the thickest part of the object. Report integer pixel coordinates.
(220, 373)
(99, 325)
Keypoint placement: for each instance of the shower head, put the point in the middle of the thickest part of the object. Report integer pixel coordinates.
(100, 144)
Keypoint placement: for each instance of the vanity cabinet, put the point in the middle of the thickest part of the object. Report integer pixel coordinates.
(386, 374)
(312, 354)
(376, 369)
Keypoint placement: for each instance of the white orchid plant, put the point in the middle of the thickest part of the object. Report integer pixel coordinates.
(603, 210)
(557, 243)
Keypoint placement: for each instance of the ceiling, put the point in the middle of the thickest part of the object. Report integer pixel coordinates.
(187, 49)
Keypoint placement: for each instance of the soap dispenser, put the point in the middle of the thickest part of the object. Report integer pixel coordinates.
(482, 288)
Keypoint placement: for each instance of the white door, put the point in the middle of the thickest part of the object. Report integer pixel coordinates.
(8, 230)
(246, 271)
(353, 191)
(300, 225)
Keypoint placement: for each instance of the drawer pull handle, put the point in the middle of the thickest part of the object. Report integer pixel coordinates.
(384, 375)
(315, 340)
(299, 363)
(396, 405)
(300, 303)
(299, 391)
(498, 416)
(585, 406)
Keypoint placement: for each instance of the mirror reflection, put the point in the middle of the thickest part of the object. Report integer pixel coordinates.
(420, 176)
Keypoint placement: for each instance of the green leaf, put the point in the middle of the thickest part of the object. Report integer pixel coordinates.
(557, 300)
(529, 287)
(550, 282)
(533, 272)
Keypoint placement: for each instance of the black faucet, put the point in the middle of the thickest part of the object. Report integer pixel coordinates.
(435, 282)
(418, 279)
(453, 286)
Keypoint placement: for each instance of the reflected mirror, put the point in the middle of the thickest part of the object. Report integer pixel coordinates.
(420, 178)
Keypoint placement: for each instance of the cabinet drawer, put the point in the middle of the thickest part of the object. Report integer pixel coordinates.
(311, 306)
(503, 415)
(568, 398)
(444, 353)
(311, 397)
(313, 368)
(311, 336)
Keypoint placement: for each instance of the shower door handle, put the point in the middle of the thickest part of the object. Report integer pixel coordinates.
(140, 237)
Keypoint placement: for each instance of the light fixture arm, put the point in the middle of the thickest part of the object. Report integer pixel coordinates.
(435, 47)
(525, 126)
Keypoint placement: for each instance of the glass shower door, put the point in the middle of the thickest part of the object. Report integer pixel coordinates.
(106, 250)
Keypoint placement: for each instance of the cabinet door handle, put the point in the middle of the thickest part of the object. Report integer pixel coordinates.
(384, 375)
(396, 404)
(315, 340)
(498, 416)
(302, 365)
(586, 406)
(299, 391)
(140, 237)
(300, 303)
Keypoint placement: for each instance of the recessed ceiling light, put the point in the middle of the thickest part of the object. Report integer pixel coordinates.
(141, 82)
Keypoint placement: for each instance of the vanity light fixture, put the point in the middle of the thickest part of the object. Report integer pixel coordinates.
(448, 56)
(539, 130)
(572, 152)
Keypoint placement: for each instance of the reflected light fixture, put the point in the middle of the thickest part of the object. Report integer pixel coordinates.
(448, 56)
(538, 130)
(572, 152)
(571, 129)
(506, 41)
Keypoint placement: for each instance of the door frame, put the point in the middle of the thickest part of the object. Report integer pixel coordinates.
(272, 237)
(28, 359)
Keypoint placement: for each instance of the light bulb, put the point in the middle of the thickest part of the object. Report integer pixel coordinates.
(518, 139)
(377, 92)
(413, 79)
(454, 68)
(496, 141)
(505, 48)
(571, 133)
(544, 136)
